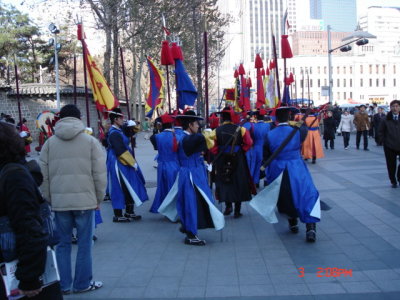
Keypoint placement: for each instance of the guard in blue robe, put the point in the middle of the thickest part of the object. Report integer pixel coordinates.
(190, 199)
(126, 183)
(297, 196)
(166, 143)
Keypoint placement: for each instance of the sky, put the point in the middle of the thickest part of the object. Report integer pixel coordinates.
(362, 5)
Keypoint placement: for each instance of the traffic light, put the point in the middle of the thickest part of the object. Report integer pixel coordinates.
(362, 42)
(345, 48)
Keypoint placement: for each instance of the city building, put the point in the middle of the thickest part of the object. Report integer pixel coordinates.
(316, 42)
(384, 22)
(340, 14)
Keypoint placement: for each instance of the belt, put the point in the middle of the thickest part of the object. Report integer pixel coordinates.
(228, 149)
(313, 128)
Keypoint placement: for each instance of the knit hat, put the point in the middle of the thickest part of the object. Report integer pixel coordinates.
(70, 110)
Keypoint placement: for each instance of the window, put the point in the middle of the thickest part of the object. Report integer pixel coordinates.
(338, 70)
(338, 96)
(394, 69)
(351, 70)
(384, 69)
(344, 82)
(361, 82)
(310, 82)
(301, 83)
(351, 95)
(370, 69)
(344, 70)
(310, 70)
(383, 82)
(325, 70)
(344, 95)
(394, 82)
(319, 95)
(377, 69)
(377, 82)
(370, 82)
(325, 82)
(319, 70)
(319, 82)
(351, 82)
(338, 82)
(361, 69)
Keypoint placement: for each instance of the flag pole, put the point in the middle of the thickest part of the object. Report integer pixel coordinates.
(18, 98)
(85, 75)
(74, 78)
(276, 68)
(166, 66)
(124, 80)
(206, 70)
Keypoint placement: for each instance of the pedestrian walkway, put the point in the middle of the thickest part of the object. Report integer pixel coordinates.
(252, 259)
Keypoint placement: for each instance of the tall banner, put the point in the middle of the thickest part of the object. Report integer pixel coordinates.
(155, 96)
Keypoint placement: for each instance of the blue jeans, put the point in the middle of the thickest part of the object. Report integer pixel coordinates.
(83, 220)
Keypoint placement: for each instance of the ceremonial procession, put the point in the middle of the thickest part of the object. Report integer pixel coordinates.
(233, 149)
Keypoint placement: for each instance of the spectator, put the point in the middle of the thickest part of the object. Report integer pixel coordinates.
(23, 127)
(345, 127)
(361, 121)
(20, 201)
(371, 113)
(389, 135)
(73, 167)
(378, 117)
(329, 130)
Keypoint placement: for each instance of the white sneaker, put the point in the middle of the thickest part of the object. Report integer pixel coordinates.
(346, 148)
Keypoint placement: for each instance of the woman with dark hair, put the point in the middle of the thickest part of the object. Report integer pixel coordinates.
(20, 203)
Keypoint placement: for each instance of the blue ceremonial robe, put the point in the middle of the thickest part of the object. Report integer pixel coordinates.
(295, 194)
(118, 172)
(190, 196)
(168, 167)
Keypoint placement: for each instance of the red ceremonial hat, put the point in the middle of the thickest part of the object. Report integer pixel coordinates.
(166, 118)
(214, 121)
(241, 70)
(166, 56)
(258, 63)
(285, 46)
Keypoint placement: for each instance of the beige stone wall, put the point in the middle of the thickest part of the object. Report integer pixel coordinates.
(31, 107)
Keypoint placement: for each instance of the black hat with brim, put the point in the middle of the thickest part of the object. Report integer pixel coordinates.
(189, 115)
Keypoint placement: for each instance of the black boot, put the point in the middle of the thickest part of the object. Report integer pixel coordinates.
(237, 213)
(192, 239)
(130, 213)
(293, 225)
(228, 208)
(314, 159)
(118, 218)
(311, 234)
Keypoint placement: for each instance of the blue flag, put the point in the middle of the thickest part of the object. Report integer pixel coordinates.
(286, 96)
(187, 93)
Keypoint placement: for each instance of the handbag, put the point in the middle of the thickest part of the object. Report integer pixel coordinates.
(7, 236)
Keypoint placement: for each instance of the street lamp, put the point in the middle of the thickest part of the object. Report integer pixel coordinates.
(358, 36)
(57, 47)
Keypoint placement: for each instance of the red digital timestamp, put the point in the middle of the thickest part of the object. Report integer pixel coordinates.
(329, 272)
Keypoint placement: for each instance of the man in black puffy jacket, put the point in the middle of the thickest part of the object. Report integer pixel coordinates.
(389, 135)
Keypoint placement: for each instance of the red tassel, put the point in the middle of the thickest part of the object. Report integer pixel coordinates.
(166, 57)
(249, 84)
(271, 64)
(236, 74)
(291, 79)
(262, 72)
(241, 70)
(176, 51)
(267, 72)
(80, 32)
(258, 63)
(285, 46)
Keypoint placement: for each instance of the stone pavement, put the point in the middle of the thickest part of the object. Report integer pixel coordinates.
(252, 259)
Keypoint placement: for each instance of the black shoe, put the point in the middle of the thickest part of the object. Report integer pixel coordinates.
(106, 198)
(132, 216)
(228, 211)
(195, 241)
(181, 229)
(366, 149)
(314, 161)
(311, 234)
(293, 225)
(120, 219)
(394, 185)
(358, 147)
(237, 215)
(74, 240)
(257, 185)
(94, 238)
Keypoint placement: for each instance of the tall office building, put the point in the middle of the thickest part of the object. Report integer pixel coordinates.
(340, 14)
